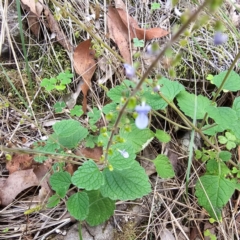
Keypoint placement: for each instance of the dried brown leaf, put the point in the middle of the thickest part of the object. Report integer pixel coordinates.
(35, 7)
(93, 153)
(118, 33)
(120, 4)
(136, 31)
(19, 162)
(85, 66)
(16, 183)
(34, 24)
(42, 173)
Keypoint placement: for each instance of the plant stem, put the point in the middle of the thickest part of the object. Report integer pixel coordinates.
(170, 121)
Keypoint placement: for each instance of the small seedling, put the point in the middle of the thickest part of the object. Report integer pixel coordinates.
(59, 106)
(58, 83)
(155, 6)
(138, 43)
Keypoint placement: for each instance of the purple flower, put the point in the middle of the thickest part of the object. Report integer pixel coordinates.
(124, 153)
(220, 38)
(129, 71)
(142, 119)
(156, 88)
(152, 50)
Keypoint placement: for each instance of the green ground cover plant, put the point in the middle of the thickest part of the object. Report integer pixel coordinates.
(124, 127)
(120, 176)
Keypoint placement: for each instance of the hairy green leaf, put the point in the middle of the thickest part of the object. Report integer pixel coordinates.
(162, 136)
(170, 89)
(221, 116)
(217, 168)
(60, 182)
(116, 93)
(91, 141)
(236, 106)
(94, 116)
(88, 176)
(69, 132)
(78, 205)
(100, 208)
(137, 139)
(49, 84)
(213, 130)
(120, 161)
(53, 201)
(138, 43)
(154, 100)
(186, 102)
(59, 106)
(225, 155)
(232, 83)
(163, 166)
(111, 107)
(214, 193)
(127, 184)
(235, 128)
(76, 111)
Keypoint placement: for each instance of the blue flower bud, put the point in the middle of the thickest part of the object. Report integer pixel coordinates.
(129, 71)
(142, 119)
(220, 38)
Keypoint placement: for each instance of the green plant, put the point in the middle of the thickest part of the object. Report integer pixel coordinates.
(58, 83)
(155, 6)
(207, 233)
(119, 176)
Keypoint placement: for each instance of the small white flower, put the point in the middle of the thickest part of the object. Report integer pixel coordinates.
(142, 119)
(124, 153)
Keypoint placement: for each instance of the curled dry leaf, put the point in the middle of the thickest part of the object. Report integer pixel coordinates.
(21, 180)
(140, 33)
(16, 183)
(85, 66)
(118, 33)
